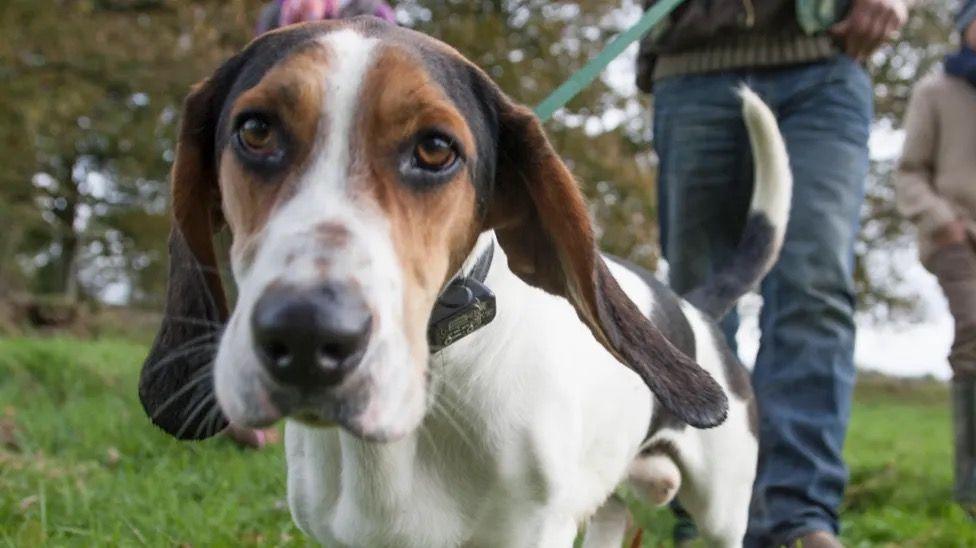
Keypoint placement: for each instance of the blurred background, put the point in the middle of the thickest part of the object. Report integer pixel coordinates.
(90, 92)
(90, 95)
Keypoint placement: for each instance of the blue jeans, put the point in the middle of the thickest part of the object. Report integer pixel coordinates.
(804, 373)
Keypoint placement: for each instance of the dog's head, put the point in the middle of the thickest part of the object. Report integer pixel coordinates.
(356, 164)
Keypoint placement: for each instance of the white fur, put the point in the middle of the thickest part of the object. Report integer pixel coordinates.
(773, 188)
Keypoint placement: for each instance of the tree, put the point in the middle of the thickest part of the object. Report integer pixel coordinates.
(88, 120)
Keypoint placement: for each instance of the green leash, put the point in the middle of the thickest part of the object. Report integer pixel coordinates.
(585, 76)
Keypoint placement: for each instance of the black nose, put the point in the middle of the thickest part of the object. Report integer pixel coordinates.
(310, 336)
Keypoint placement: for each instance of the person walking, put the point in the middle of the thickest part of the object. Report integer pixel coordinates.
(935, 188)
(804, 57)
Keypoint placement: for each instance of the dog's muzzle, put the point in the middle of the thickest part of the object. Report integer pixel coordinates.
(310, 337)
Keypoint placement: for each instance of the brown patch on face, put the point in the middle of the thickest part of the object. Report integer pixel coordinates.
(433, 228)
(292, 93)
(332, 234)
(321, 266)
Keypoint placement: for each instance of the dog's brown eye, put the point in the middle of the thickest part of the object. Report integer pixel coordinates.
(257, 136)
(434, 153)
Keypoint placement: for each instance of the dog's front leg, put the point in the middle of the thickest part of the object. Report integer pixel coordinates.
(556, 532)
(608, 527)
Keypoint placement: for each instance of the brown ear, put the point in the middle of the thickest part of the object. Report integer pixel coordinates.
(176, 385)
(541, 221)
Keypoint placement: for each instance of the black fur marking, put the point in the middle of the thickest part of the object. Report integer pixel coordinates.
(176, 384)
(679, 383)
(737, 377)
(668, 317)
(662, 447)
(749, 264)
(664, 420)
(666, 314)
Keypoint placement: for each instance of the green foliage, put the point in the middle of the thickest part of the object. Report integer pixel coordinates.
(87, 119)
(80, 464)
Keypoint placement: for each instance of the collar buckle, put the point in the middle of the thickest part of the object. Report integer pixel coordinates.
(465, 306)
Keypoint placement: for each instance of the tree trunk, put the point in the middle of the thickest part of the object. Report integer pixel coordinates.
(69, 259)
(70, 240)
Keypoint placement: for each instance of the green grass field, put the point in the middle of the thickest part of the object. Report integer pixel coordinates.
(80, 465)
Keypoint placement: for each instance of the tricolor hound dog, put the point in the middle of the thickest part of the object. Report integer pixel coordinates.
(361, 168)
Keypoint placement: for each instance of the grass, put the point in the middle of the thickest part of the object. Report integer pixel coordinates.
(81, 466)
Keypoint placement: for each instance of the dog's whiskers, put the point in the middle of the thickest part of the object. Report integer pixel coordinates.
(446, 408)
(215, 427)
(195, 381)
(206, 399)
(185, 353)
(431, 443)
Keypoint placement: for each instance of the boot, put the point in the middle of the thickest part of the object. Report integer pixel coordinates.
(964, 426)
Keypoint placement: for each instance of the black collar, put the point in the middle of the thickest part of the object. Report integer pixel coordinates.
(465, 306)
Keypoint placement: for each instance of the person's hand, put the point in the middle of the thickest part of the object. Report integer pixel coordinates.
(949, 234)
(969, 36)
(869, 24)
(299, 11)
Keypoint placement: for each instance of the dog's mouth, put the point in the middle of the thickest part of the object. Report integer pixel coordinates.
(350, 414)
(378, 403)
(321, 408)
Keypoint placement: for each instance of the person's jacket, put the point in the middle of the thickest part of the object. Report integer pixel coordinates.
(746, 32)
(935, 183)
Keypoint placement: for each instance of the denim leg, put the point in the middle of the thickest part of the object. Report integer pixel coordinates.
(704, 184)
(804, 373)
(705, 177)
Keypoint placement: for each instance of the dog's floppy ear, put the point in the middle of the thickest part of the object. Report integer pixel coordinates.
(540, 218)
(176, 385)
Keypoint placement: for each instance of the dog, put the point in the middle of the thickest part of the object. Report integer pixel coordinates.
(365, 171)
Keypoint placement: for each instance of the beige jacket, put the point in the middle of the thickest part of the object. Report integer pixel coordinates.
(936, 178)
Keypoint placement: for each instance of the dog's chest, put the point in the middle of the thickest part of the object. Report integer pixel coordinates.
(417, 492)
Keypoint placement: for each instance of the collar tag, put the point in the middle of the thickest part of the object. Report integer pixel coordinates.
(464, 307)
